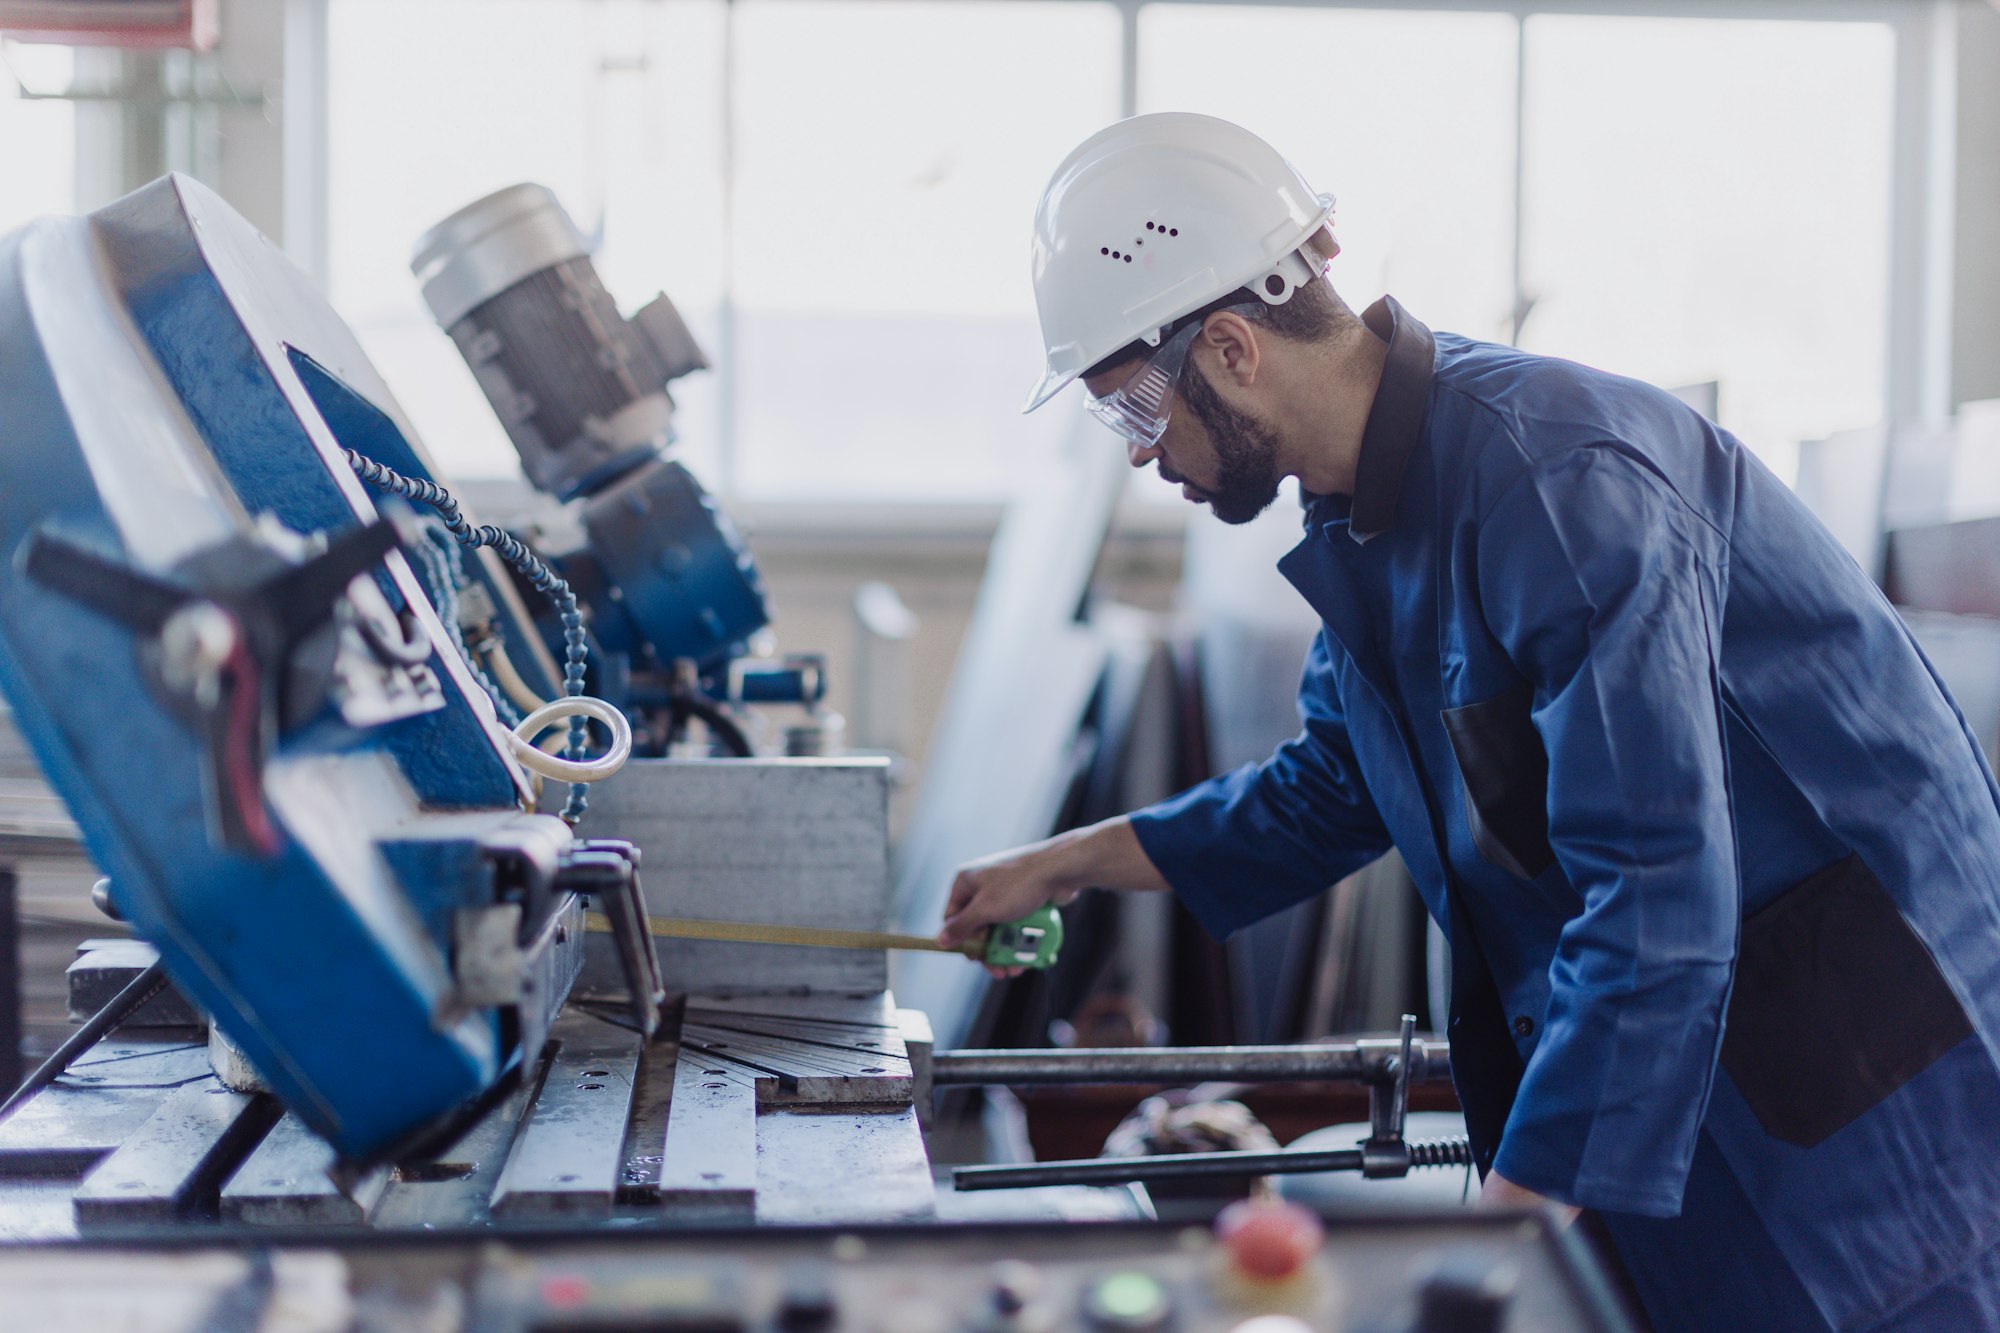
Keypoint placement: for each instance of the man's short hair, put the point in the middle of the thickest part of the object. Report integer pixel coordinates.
(1315, 313)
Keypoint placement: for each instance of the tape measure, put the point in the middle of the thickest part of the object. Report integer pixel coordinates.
(1033, 941)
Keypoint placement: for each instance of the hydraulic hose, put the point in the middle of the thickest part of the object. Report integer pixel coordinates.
(514, 552)
(719, 722)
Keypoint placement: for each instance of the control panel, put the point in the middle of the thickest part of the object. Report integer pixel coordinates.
(1266, 1269)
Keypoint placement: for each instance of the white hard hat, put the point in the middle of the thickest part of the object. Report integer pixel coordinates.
(1153, 218)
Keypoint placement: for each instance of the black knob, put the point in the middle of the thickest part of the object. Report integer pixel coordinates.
(1014, 1287)
(806, 1299)
(1467, 1292)
(100, 898)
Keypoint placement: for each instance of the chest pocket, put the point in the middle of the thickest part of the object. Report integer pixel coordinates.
(1505, 772)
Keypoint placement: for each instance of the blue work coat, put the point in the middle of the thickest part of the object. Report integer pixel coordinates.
(1717, 857)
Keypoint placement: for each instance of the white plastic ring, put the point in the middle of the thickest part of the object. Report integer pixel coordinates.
(521, 740)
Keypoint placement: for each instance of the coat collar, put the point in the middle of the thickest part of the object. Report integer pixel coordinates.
(1395, 425)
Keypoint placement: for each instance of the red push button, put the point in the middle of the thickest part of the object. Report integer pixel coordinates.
(1269, 1242)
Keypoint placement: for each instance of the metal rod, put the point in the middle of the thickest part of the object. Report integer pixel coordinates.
(10, 981)
(1179, 1166)
(137, 991)
(1367, 1060)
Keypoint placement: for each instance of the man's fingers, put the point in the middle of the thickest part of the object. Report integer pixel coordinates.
(963, 891)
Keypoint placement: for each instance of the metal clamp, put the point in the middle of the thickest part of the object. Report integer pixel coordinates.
(609, 872)
(1385, 1153)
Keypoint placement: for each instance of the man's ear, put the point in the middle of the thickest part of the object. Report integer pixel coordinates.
(1232, 340)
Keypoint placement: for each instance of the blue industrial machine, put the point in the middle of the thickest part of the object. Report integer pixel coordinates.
(226, 653)
(672, 598)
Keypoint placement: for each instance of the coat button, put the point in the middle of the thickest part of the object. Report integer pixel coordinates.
(1524, 1026)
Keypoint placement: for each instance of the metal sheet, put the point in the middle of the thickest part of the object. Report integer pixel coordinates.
(914, 1026)
(866, 1167)
(110, 1091)
(792, 841)
(567, 1160)
(796, 1054)
(288, 1181)
(173, 1163)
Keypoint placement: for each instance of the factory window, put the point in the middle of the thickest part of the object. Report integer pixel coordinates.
(1407, 118)
(838, 199)
(880, 334)
(887, 333)
(1700, 200)
(37, 137)
(1709, 200)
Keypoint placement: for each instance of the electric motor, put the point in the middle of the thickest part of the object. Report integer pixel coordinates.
(580, 389)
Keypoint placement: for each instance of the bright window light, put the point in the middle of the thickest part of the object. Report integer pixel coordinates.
(1709, 200)
(37, 138)
(838, 195)
(1407, 118)
(889, 156)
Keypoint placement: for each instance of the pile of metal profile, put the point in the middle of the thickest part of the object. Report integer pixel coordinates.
(764, 1109)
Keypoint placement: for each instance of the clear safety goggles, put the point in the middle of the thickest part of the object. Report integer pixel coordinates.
(1137, 410)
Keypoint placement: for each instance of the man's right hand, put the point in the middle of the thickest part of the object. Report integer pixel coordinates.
(1006, 886)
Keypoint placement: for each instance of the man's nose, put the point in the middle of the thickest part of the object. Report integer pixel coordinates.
(1141, 454)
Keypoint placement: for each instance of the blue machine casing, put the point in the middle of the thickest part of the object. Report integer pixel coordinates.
(166, 378)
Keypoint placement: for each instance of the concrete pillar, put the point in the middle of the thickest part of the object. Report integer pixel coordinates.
(1975, 358)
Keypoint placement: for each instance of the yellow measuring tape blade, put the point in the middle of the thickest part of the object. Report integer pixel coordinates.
(752, 932)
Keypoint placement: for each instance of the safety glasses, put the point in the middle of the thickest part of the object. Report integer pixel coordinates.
(1137, 410)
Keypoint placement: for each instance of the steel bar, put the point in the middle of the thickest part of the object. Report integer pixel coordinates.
(10, 981)
(1185, 1166)
(288, 1180)
(1179, 1166)
(176, 1161)
(1368, 1060)
(567, 1158)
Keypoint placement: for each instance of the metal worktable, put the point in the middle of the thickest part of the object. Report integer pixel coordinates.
(766, 1109)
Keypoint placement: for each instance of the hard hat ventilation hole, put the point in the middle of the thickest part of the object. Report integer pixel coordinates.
(1275, 285)
(1115, 255)
(1128, 259)
(1149, 226)
(1104, 249)
(1173, 231)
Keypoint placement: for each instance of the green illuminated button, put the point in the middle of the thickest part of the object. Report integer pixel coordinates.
(1129, 1300)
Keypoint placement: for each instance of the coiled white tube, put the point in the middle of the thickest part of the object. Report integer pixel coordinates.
(521, 741)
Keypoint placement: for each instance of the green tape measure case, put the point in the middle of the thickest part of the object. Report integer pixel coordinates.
(1033, 941)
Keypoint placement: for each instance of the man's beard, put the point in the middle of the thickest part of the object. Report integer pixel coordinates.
(1246, 453)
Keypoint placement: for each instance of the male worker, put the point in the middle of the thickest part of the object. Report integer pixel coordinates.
(1666, 767)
